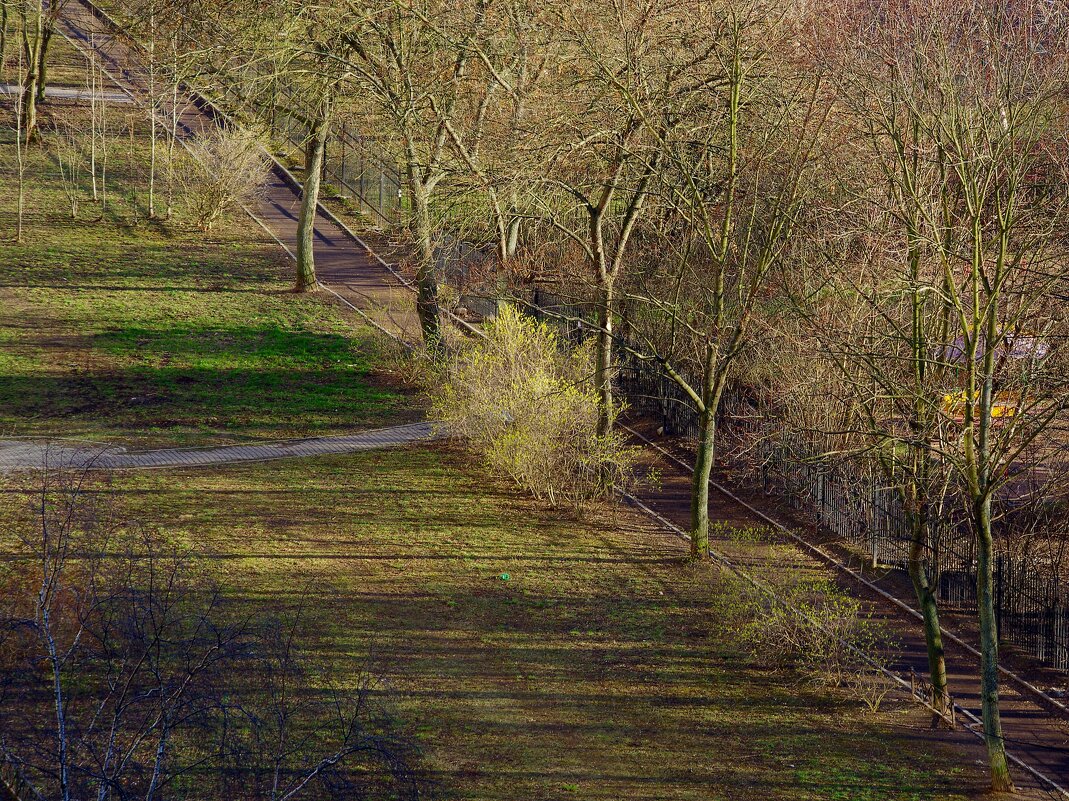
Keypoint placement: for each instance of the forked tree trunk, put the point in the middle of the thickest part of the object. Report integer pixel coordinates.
(31, 45)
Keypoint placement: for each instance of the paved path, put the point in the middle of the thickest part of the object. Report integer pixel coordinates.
(355, 274)
(53, 454)
(71, 93)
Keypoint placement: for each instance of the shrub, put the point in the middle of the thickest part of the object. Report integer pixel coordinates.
(228, 168)
(526, 404)
(815, 627)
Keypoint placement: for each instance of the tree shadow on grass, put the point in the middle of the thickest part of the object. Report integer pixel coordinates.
(249, 380)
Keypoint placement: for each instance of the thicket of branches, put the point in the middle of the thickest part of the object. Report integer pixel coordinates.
(125, 671)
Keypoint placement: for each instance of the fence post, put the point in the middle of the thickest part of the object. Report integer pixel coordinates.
(998, 598)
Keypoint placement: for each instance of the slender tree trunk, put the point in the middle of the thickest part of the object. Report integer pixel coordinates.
(313, 178)
(3, 39)
(103, 121)
(426, 275)
(59, 702)
(153, 110)
(933, 634)
(603, 367)
(91, 85)
(699, 494)
(172, 136)
(20, 157)
(985, 601)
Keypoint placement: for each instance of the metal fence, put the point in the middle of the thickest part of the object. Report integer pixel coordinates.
(851, 499)
(1032, 605)
(350, 164)
(353, 165)
(847, 497)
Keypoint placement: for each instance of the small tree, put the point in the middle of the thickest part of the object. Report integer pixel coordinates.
(67, 145)
(228, 168)
(133, 675)
(736, 173)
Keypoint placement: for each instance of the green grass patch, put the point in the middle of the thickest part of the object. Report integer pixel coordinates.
(605, 667)
(120, 328)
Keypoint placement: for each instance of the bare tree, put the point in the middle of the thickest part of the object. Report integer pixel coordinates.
(152, 678)
(963, 108)
(602, 150)
(67, 144)
(227, 168)
(20, 147)
(413, 62)
(736, 173)
(37, 27)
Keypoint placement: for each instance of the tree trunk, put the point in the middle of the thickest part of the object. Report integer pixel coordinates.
(29, 107)
(3, 40)
(313, 177)
(699, 495)
(430, 318)
(512, 241)
(42, 61)
(32, 49)
(985, 601)
(603, 368)
(933, 635)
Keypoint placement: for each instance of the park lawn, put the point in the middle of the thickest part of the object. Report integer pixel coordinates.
(127, 330)
(604, 667)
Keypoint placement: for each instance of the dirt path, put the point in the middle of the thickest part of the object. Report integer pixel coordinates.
(354, 274)
(363, 282)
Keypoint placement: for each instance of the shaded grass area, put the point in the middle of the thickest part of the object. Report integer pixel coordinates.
(121, 328)
(603, 667)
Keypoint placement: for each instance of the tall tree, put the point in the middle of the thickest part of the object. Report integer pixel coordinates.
(963, 106)
(736, 173)
(602, 148)
(412, 63)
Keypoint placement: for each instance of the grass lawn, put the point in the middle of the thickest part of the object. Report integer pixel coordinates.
(128, 330)
(603, 668)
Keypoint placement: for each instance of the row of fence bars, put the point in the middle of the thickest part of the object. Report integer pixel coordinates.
(1032, 609)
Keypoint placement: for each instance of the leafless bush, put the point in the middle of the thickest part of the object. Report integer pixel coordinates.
(870, 686)
(67, 140)
(528, 406)
(227, 168)
(124, 672)
(816, 628)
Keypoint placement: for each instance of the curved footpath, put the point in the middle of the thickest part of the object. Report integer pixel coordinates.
(1037, 736)
(59, 454)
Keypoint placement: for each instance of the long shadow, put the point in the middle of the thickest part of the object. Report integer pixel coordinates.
(245, 376)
